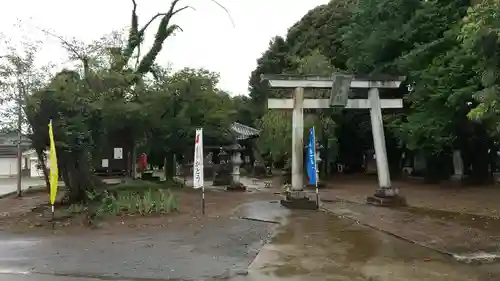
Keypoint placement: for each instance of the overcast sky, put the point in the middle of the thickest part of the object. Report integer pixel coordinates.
(209, 39)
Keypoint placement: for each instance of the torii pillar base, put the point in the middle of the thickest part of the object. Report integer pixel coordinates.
(298, 200)
(386, 197)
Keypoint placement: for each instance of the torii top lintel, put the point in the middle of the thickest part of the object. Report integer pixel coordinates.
(315, 81)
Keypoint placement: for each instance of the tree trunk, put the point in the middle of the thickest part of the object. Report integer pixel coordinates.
(134, 162)
(433, 169)
(480, 166)
(165, 161)
(77, 176)
(493, 159)
(169, 167)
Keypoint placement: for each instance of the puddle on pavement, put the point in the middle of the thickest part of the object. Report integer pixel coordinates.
(265, 211)
(323, 230)
(317, 242)
(321, 246)
(491, 224)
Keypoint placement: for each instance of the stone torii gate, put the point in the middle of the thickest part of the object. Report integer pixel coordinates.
(340, 84)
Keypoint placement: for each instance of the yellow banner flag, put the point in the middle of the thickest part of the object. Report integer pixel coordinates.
(54, 173)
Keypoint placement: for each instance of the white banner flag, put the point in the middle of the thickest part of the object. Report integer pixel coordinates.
(198, 160)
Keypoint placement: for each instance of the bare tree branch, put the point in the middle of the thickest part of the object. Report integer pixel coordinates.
(143, 29)
(83, 56)
(182, 9)
(225, 9)
(70, 47)
(162, 33)
(136, 36)
(133, 39)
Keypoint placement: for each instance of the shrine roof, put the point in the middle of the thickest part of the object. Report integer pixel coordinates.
(243, 132)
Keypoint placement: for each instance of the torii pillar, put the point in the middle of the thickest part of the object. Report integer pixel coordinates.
(340, 84)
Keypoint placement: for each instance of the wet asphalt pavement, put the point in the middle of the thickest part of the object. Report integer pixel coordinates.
(222, 247)
(306, 246)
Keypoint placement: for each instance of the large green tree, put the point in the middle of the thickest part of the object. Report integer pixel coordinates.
(178, 104)
(275, 60)
(119, 92)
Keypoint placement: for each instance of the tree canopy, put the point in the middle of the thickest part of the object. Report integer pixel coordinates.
(448, 50)
(118, 93)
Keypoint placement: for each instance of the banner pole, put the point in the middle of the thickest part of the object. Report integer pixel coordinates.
(53, 217)
(203, 200)
(316, 169)
(317, 191)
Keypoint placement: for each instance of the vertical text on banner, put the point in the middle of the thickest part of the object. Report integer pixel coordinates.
(198, 160)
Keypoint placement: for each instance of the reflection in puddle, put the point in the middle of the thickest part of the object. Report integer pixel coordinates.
(315, 242)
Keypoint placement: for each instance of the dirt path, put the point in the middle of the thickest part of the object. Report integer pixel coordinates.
(477, 200)
(17, 215)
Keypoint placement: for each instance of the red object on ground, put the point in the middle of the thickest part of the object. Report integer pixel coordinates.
(427, 259)
(143, 161)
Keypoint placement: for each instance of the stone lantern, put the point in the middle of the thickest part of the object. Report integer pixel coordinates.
(236, 162)
(222, 172)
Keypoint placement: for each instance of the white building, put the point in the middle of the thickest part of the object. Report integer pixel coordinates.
(8, 154)
(30, 160)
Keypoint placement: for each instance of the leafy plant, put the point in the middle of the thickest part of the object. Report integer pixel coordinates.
(150, 201)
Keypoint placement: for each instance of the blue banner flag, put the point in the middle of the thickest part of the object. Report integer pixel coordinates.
(311, 158)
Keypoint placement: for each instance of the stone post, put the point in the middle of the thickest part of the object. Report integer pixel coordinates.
(298, 140)
(384, 179)
(385, 194)
(458, 166)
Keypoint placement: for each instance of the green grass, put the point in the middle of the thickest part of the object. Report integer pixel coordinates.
(145, 202)
(135, 197)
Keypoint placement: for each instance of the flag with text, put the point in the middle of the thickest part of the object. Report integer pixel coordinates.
(198, 160)
(311, 158)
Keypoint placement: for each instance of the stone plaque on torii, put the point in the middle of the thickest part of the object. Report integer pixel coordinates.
(339, 85)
